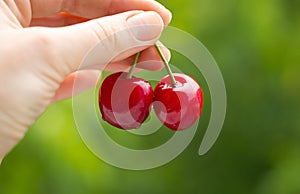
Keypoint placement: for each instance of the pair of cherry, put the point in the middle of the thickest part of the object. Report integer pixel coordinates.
(125, 101)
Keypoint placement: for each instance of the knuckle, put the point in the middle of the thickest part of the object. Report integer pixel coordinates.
(37, 43)
(41, 39)
(105, 33)
(43, 45)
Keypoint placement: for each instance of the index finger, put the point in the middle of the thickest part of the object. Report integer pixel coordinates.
(96, 8)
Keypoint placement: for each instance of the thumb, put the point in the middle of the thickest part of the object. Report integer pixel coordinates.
(105, 40)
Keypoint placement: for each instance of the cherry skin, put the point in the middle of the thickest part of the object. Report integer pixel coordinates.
(125, 102)
(178, 107)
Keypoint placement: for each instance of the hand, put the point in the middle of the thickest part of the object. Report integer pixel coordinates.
(38, 64)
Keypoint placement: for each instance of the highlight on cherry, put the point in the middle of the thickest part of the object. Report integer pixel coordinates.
(125, 101)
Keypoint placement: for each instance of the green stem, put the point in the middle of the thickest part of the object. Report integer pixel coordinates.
(167, 66)
(130, 73)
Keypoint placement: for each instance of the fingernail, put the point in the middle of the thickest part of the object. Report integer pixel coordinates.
(146, 26)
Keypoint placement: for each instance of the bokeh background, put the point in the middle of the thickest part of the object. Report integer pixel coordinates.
(257, 46)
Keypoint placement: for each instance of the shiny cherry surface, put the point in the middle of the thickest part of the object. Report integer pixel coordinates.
(178, 107)
(125, 102)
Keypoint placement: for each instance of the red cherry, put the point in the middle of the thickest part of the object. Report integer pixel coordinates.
(178, 107)
(125, 102)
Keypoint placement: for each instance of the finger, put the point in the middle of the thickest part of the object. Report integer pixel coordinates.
(149, 59)
(58, 20)
(110, 38)
(84, 79)
(96, 8)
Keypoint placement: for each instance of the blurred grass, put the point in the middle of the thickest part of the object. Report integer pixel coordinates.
(257, 46)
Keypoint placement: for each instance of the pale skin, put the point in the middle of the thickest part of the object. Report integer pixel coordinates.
(38, 64)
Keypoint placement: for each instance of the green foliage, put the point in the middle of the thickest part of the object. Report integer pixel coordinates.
(257, 45)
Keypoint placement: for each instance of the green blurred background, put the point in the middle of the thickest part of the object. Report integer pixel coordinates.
(257, 46)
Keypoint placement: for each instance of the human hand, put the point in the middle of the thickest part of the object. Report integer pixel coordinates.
(38, 64)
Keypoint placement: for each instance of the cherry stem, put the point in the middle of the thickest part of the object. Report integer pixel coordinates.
(167, 66)
(130, 73)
